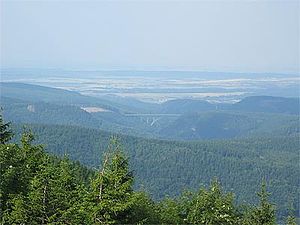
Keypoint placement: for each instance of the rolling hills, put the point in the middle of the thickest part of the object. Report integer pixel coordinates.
(181, 119)
(168, 167)
(239, 143)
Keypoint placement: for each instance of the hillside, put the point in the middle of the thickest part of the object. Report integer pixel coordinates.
(188, 126)
(181, 119)
(227, 124)
(39, 188)
(268, 104)
(36, 93)
(182, 106)
(167, 167)
(21, 111)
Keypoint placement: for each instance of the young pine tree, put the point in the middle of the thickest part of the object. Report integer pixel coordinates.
(170, 212)
(41, 197)
(55, 194)
(5, 133)
(291, 219)
(69, 195)
(112, 194)
(264, 214)
(144, 210)
(18, 165)
(212, 207)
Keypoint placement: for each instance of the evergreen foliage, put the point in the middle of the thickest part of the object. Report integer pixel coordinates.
(291, 219)
(212, 207)
(38, 188)
(5, 133)
(264, 213)
(112, 194)
(169, 167)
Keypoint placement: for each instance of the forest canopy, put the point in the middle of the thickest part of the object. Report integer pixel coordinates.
(39, 188)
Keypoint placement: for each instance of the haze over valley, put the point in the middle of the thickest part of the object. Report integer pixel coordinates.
(161, 86)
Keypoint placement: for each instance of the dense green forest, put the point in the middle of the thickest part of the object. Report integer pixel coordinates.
(169, 167)
(38, 188)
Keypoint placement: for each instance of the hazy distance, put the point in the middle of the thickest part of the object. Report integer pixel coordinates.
(236, 36)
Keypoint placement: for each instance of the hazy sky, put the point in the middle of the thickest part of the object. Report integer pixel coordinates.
(253, 36)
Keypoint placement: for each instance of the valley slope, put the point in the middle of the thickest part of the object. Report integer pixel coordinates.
(182, 119)
(239, 143)
(168, 167)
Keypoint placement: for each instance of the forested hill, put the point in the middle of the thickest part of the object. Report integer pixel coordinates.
(181, 119)
(268, 104)
(37, 188)
(167, 167)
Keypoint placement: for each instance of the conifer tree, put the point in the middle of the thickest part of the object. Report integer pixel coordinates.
(41, 200)
(68, 195)
(212, 207)
(144, 210)
(264, 214)
(169, 210)
(55, 194)
(5, 164)
(291, 219)
(112, 194)
(18, 165)
(5, 133)
(17, 213)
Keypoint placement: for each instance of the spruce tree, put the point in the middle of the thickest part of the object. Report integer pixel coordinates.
(5, 133)
(212, 207)
(264, 214)
(18, 211)
(69, 193)
(54, 194)
(112, 194)
(18, 165)
(41, 200)
(291, 219)
(169, 210)
(145, 210)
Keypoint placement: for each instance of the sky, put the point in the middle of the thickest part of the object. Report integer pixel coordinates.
(236, 36)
